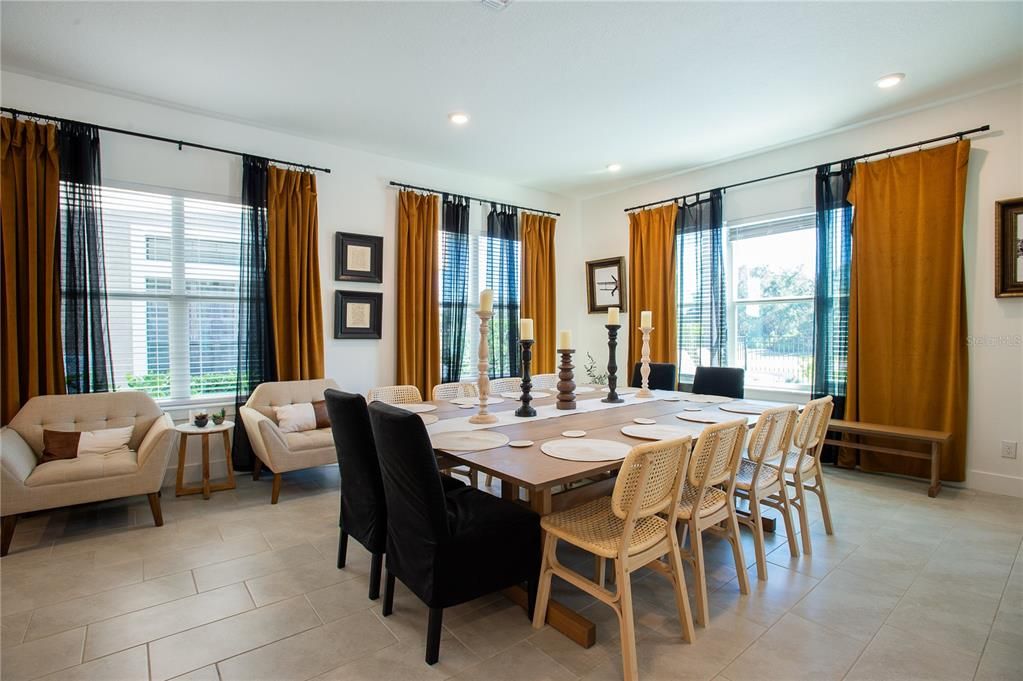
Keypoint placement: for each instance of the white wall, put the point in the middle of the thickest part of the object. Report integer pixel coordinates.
(354, 197)
(996, 367)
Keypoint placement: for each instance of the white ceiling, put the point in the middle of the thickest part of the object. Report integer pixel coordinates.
(556, 91)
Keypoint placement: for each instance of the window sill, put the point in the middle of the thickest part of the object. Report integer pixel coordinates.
(179, 408)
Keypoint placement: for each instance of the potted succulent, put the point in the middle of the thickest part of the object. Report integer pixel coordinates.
(218, 416)
(200, 418)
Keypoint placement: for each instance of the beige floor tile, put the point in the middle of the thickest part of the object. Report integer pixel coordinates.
(250, 567)
(796, 648)
(13, 628)
(1000, 662)
(521, 661)
(195, 648)
(205, 674)
(310, 653)
(43, 656)
(188, 559)
(767, 601)
(297, 580)
(80, 611)
(28, 592)
(405, 662)
(945, 616)
(492, 628)
(894, 560)
(966, 570)
(1008, 625)
(128, 665)
(852, 604)
(828, 552)
(343, 599)
(163, 620)
(896, 655)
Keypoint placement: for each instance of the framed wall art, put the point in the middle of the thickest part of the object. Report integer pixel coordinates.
(605, 284)
(358, 257)
(1009, 248)
(357, 314)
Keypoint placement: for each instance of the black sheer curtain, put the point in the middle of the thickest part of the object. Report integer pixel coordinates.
(503, 247)
(831, 299)
(87, 361)
(255, 343)
(702, 314)
(454, 285)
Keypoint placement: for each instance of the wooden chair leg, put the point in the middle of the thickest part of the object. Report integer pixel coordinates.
(433, 635)
(678, 579)
(154, 506)
(799, 501)
(630, 664)
(699, 574)
(823, 496)
(758, 537)
(543, 593)
(388, 606)
(599, 570)
(735, 539)
(257, 468)
(8, 522)
(790, 526)
(376, 565)
(342, 550)
(275, 494)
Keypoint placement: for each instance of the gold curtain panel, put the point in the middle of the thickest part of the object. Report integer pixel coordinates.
(539, 290)
(418, 291)
(907, 316)
(652, 282)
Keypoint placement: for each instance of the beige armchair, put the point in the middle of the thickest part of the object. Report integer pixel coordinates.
(283, 452)
(26, 485)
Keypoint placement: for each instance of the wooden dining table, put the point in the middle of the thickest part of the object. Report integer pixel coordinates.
(549, 484)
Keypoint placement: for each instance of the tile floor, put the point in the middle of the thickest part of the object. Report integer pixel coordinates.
(234, 589)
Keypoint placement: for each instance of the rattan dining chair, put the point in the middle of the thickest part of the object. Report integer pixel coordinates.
(803, 472)
(451, 391)
(545, 382)
(706, 503)
(634, 527)
(759, 483)
(395, 394)
(511, 384)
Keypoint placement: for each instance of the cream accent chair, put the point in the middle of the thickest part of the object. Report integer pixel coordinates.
(395, 394)
(29, 486)
(451, 391)
(283, 452)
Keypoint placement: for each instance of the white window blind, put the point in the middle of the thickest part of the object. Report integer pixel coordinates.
(172, 288)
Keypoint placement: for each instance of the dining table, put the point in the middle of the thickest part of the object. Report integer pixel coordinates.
(548, 484)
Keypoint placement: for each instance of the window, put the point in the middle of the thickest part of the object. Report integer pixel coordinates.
(172, 287)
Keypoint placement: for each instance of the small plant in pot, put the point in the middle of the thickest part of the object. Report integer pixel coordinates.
(200, 418)
(218, 417)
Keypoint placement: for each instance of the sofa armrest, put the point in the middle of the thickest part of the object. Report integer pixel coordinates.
(159, 440)
(17, 458)
(264, 435)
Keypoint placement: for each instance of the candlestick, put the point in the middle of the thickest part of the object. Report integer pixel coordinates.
(526, 329)
(612, 364)
(527, 380)
(613, 316)
(644, 368)
(566, 386)
(484, 367)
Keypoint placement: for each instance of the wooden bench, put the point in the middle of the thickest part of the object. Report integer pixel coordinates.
(935, 438)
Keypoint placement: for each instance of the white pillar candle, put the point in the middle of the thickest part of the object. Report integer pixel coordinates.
(646, 319)
(526, 329)
(486, 300)
(564, 340)
(612, 315)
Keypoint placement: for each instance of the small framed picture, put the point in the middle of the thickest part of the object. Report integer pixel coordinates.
(357, 314)
(605, 284)
(1009, 248)
(358, 257)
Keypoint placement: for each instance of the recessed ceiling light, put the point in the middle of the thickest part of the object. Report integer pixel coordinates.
(891, 80)
(458, 118)
(614, 167)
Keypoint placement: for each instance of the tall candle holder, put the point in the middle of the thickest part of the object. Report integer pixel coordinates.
(612, 365)
(527, 380)
(484, 370)
(566, 386)
(644, 368)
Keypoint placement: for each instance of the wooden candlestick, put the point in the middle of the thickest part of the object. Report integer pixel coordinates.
(612, 364)
(644, 368)
(527, 380)
(566, 386)
(484, 369)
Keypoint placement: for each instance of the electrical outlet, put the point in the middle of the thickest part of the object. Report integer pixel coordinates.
(1008, 449)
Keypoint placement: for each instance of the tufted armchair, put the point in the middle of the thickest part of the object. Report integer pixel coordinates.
(26, 485)
(283, 452)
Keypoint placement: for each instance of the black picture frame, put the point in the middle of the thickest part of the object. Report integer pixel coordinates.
(346, 322)
(1009, 248)
(348, 268)
(594, 288)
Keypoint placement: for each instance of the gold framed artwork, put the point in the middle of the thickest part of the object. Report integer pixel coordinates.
(358, 257)
(1009, 248)
(605, 284)
(357, 314)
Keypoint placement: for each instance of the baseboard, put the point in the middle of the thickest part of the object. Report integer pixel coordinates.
(996, 483)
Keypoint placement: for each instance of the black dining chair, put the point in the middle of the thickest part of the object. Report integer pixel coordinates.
(448, 547)
(723, 381)
(662, 376)
(363, 511)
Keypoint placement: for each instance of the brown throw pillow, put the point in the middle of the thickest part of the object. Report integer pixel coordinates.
(322, 421)
(58, 444)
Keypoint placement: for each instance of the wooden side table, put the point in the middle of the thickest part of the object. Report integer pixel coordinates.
(186, 429)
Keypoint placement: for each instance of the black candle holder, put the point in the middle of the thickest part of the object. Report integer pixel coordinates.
(527, 380)
(612, 365)
(566, 386)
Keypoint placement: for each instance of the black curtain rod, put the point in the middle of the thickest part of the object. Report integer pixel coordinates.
(960, 135)
(471, 198)
(181, 143)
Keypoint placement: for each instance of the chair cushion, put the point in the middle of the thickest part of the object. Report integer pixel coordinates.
(119, 462)
(302, 416)
(747, 468)
(309, 439)
(713, 499)
(594, 526)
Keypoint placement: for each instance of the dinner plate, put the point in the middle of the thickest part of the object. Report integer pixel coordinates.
(703, 417)
(580, 389)
(520, 443)
(574, 433)
(586, 450)
(468, 440)
(429, 418)
(535, 394)
(417, 407)
(475, 401)
(643, 420)
(744, 408)
(655, 432)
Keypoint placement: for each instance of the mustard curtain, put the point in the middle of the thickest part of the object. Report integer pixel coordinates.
(293, 274)
(907, 317)
(652, 283)
(418, 291)
(33, 360)
(539, 293)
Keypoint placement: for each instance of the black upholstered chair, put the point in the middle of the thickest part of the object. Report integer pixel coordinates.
(724, 381)
(363, 511)
(447, 547)
(662, 376)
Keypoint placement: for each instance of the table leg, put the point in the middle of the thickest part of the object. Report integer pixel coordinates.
(227, 458)
(935, 487)
(509, 491)
(205, 466)
(179, 488)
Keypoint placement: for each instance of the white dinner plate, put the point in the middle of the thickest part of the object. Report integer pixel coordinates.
(520, 443)
(586, 450)
(535, 394)
(417, 407)
(644, 421)
(574, 433)
(475, 401)
(655, 432)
